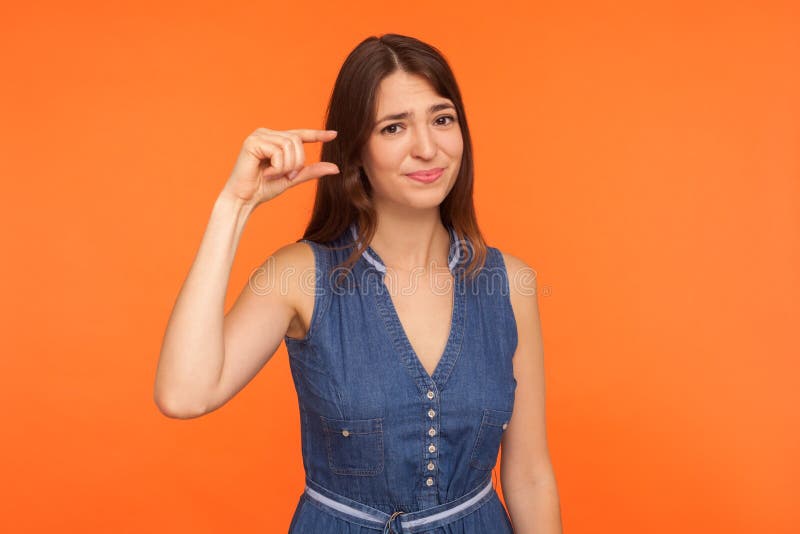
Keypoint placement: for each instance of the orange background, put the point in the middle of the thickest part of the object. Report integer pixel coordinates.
(642, 159)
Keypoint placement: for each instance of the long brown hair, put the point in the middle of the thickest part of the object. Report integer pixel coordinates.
(345, 198)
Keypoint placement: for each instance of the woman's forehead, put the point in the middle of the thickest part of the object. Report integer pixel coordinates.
(407, 95)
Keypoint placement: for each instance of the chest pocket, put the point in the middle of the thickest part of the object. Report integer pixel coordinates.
(355, 446)
(487, 443)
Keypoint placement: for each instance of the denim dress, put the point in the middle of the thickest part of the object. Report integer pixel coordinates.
(386, 446)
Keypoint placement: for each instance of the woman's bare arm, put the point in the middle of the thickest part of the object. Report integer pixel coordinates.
(192, 352)
(192, 376)
(526, 472)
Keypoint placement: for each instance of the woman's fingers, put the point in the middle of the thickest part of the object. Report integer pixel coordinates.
(300, 154)
(315, 170)
(292, 153)
(306, 135)
(312, 136)
(272, 160)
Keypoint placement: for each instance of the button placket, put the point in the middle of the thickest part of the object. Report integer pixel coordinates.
(432, 434)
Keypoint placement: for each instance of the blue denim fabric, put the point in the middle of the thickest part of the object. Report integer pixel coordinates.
(376, 428)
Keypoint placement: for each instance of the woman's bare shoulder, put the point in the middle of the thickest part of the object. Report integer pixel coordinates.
(513, 263)
(291, 265)
(521, 277)
(285, 280)
(296, 255)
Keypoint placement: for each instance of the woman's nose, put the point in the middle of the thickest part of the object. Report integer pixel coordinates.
(424, 145)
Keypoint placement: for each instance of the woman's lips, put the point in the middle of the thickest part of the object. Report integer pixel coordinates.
(426, 176)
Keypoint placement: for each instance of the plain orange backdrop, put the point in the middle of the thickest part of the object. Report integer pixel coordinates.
(642, 157)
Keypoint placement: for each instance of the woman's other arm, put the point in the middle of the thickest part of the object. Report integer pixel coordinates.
(526, 473)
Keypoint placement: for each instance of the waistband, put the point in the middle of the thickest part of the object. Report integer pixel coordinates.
(399, 522)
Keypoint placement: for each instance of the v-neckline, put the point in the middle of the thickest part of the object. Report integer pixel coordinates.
(397, 331)
(405, 340)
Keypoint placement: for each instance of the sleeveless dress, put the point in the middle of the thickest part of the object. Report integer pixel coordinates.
(380, 437)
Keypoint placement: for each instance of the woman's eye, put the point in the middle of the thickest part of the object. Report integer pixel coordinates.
(390, 126)
(438, 119)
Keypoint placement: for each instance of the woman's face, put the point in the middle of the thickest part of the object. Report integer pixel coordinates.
(429, 137)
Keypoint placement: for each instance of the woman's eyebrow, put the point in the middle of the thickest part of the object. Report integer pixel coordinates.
(406, 114)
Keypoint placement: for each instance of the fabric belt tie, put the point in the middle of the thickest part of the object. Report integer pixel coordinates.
(400, 521)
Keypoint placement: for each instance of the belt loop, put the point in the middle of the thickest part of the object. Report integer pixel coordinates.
(387, 528)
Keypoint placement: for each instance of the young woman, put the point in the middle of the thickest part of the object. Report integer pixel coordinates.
(415, 348)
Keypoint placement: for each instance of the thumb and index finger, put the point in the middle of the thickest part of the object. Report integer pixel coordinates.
(309, 135)
(318, 169)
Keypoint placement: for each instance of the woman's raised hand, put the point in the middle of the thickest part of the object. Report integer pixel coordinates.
(272, 161)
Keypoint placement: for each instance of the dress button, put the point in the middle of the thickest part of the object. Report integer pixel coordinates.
(430, 466)
(430, 394)
(431, 413)
(345, 433)
(429, 481)
(432, 432)
(431, 448)
(505, 425)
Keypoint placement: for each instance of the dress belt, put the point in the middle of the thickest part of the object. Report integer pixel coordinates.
(410, 522)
